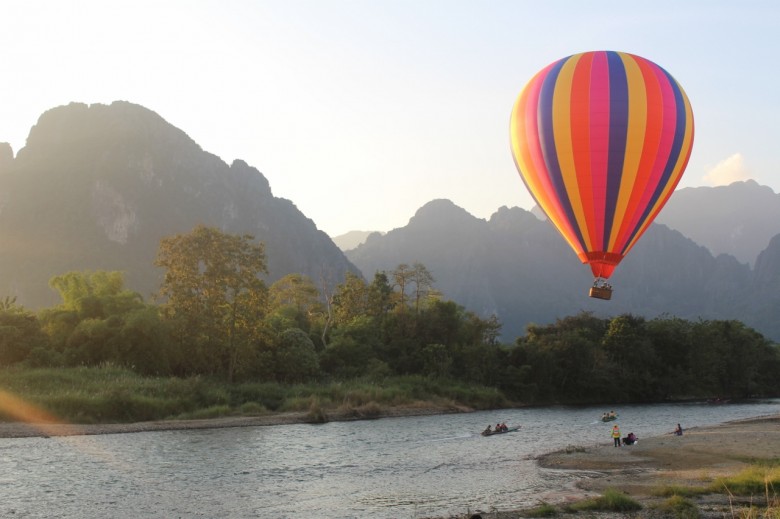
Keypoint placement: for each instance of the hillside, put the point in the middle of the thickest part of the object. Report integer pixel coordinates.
(97, 187)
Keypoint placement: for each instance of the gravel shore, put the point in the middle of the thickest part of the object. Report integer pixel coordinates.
(25, 430)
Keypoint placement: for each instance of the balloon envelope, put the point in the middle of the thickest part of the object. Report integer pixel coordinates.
(601, 139)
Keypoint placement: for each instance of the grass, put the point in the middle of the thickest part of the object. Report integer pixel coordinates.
(543, 510)
(680, 491)
(109, 394)
(612, 501)
(679, 507)
(756, 480)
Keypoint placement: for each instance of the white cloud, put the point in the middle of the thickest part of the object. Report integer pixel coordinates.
(728, 170)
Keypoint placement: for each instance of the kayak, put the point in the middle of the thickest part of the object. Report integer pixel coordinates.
(491, 433)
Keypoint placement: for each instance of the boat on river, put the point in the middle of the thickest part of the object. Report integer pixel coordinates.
(608, 418)
(510, 429)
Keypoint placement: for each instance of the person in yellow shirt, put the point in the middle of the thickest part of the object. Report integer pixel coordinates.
(616, 435)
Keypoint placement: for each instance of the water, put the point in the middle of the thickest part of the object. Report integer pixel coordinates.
(390, 468)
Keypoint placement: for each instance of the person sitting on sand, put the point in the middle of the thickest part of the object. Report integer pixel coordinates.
(630, 439)
(678, 430)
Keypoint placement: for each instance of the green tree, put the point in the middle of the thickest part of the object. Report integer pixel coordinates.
(352, 348)
(351, 299)
(213, 292)
(95, 295)
(95, 323)
(296, 359)
(297, 297)
(20, 333)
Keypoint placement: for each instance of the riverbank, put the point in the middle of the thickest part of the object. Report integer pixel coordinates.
(693, 460)
(48, 429)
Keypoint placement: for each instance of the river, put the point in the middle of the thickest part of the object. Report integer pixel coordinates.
(389, 468)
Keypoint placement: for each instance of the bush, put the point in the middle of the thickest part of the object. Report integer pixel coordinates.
(680, 507)
(612, 501)
(543, 510)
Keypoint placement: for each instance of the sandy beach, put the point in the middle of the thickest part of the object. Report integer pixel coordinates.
(694, 459)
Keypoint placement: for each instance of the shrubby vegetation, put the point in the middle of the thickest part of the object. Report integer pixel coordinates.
(216, 320)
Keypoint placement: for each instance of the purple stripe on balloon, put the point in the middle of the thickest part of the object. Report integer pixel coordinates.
(618, 133)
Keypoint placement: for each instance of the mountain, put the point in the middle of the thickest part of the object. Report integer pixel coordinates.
(738, 219)
(97, 187)
(352, 239)
(517, 267)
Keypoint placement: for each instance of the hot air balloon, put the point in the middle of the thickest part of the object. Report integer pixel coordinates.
(601, 139)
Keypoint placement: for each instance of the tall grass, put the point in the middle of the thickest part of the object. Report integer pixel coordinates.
(112, 394)
(612, 501)
(757, 480)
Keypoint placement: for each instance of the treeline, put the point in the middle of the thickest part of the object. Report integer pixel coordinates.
(629, 359)
(215, 316)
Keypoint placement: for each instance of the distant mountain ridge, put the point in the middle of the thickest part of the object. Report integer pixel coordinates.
(517, 267)
(352, 239)
(738, 219)
(98, 187)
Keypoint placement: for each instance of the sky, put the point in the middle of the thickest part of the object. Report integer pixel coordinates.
(362, 111)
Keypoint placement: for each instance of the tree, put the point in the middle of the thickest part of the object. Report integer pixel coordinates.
(298, 293)
(20, 333)
(351, 299)
(423, 284)
(380, 296)
(296, 358)
(402, 277)
(212, 290)
(95, 320)
(95, 294)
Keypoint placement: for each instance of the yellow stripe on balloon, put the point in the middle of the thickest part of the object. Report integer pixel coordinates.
(635, 138)
(562, 129)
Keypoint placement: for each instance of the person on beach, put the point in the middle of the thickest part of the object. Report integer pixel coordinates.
(616, 435)
(630, 439)
(678, 431)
